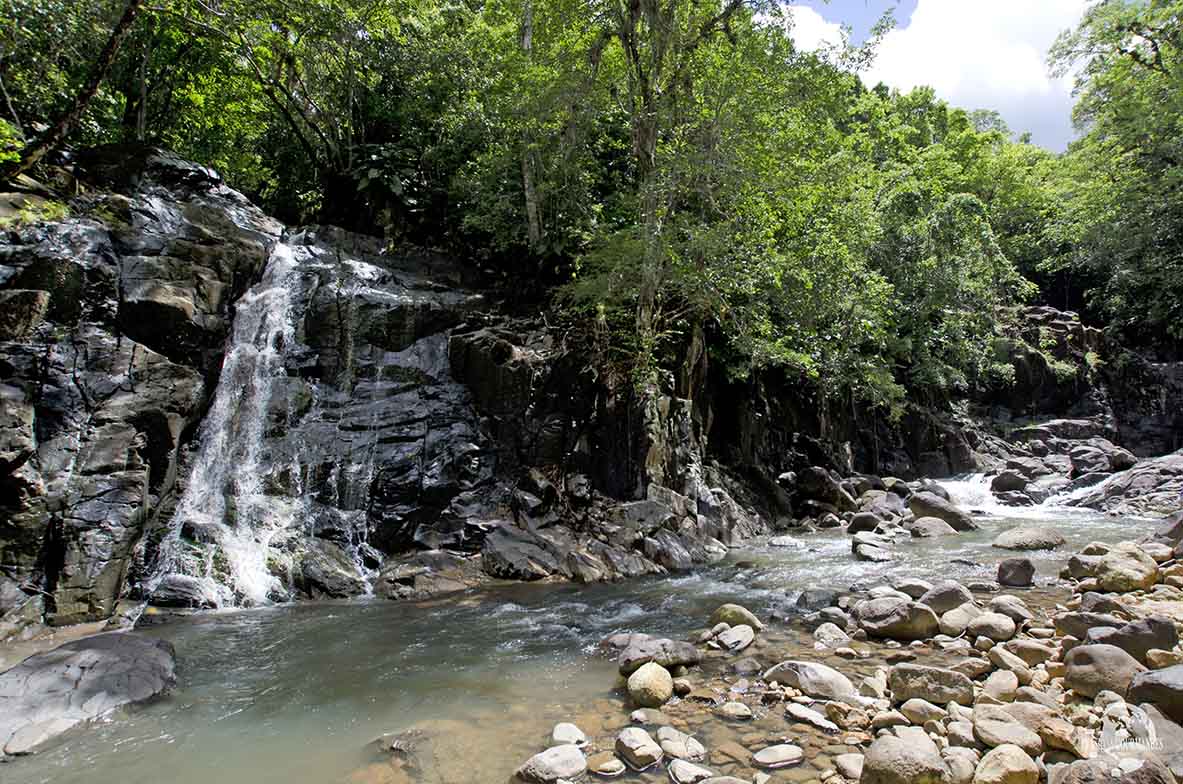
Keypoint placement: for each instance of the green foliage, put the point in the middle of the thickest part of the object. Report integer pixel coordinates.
(10, 143)
(1122, 184)
(676, 167)
(35, 210)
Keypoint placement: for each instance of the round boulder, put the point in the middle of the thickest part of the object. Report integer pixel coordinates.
(1016, 573)
(1006, 764)
(651, 686)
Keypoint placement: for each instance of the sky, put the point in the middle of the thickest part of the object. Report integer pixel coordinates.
(976, 54)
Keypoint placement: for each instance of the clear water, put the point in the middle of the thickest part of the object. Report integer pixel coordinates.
(294, 694)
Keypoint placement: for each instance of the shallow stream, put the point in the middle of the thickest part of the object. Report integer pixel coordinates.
(295, 694)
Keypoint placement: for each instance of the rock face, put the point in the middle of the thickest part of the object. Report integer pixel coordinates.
(49, 693)
(1150, 487)
(105, 374)
(373, 404)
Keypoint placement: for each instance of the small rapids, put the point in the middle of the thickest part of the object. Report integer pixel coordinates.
(294, 694)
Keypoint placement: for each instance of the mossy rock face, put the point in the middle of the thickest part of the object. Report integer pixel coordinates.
(21, 312)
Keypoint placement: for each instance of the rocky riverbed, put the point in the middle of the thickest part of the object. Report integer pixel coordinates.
(469, 687)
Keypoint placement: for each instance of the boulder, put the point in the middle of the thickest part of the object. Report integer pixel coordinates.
(642, 649)
(637, 748)
(817, 484)
(946, 595)
(1138, 637)
(650, 686)
(956, 621)
(1009, 481)
(1006, 764)
(933, 684)
(992, 625)
(515, 554)
(554, 764)
(815, 680)
(1162, 688)
(896, 618)
(929, 527)
(80, 681)
(926, 504)
(1016, 572)
(1027, 537)
(1126, 568)
(892, 760)
(735, 615)
(1091, 669)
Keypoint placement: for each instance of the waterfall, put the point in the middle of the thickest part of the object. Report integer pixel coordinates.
(225, 501)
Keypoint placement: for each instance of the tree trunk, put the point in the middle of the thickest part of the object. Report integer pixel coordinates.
(533, 217)
(54, 135)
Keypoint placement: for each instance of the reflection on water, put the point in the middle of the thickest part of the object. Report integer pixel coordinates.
(294, 694)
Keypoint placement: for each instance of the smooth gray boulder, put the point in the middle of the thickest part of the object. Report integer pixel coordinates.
(51, 692)
(927, 504)
(816, 680)
(1029, 537)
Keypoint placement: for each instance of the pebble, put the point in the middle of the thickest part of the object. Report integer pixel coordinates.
(779, 756)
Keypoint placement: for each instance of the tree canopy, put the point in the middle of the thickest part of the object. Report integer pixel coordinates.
(663, 168)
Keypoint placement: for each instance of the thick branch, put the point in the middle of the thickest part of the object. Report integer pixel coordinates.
(58, 131)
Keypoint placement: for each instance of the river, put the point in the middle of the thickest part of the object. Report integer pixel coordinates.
(294, 694)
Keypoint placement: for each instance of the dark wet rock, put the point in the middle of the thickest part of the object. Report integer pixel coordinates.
(818, 598)
(1009, 482)
(49, 693)
(1016, 572)
(327, 571)
(179, 590)
(817, 484)
(514, 554)
(1162, 688)
(927, 504)
(863, 521)
(1137, 637)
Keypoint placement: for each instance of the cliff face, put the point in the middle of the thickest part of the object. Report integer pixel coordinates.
(200, 408)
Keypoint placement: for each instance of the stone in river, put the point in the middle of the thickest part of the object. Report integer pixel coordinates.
(651, 686)
(734, 615)
(779, 756)
(637, 748)
(735, 710)
(816, 680)
(50, 692)
(679, 745)
(682, 772)
(565, 733)
(558, 762)
(736, 638)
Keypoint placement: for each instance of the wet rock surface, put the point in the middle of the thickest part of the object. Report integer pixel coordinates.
(52, 692)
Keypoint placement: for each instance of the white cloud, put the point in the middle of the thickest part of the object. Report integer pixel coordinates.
(986, 55)
(811, 31)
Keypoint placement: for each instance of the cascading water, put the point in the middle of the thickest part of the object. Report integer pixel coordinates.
(224, 503)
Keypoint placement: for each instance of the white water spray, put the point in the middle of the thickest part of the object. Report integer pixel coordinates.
(224, 502)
